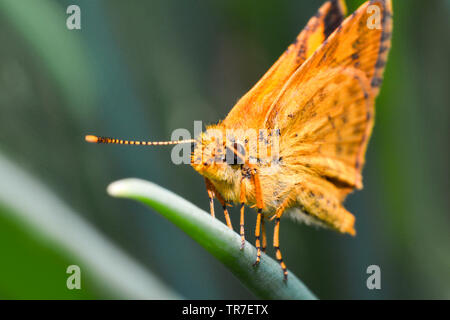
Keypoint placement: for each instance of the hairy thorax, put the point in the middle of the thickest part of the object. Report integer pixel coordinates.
(226, 158)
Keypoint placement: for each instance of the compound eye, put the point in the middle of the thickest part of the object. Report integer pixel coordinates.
(233, 158)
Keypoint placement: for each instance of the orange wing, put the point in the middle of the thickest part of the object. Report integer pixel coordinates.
(325, 111)
(259, 99)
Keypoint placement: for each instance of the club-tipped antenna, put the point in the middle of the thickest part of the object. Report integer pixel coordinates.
(109, 140)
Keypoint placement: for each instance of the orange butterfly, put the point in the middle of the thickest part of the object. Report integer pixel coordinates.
(313, 114)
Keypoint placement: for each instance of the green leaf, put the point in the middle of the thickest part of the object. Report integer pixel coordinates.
(53, 228)
(264, 280)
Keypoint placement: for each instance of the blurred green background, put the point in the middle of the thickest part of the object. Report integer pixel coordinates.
(140, 69)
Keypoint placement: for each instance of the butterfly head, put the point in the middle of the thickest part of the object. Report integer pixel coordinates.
(217, 156)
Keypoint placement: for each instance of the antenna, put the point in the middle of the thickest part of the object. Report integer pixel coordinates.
(106, 140)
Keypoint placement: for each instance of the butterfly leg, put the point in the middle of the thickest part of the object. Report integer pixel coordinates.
(225, 210)
(260, 205)
(257, 237)
(210, 196)
(276, 236)
(276, 245)
(242, 201)
(263, 233)
(213, 193)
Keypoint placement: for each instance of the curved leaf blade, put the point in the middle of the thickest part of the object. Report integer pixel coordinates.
(264, 280)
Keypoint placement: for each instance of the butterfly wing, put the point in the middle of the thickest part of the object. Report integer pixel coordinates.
(325, 111)
(329, 134)
(259, 99)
